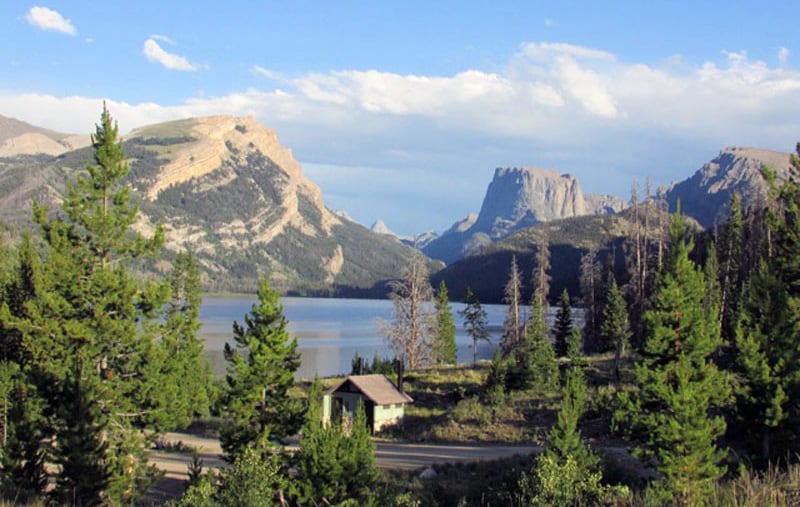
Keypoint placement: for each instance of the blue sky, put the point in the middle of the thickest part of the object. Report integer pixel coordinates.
(402, 110)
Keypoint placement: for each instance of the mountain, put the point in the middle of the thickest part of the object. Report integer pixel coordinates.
(20, 138)
(226, 188)
(707, 194)
(519, 197)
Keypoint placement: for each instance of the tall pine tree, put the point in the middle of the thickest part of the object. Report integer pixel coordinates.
(261, 365)
(445, 349)
(678, 383)
(563, 327)
(81, 330)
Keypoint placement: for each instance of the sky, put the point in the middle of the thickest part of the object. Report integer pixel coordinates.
(401, 111)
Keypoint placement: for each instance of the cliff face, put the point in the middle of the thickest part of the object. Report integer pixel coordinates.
(706, 195)
(226, 188)
(520, 197)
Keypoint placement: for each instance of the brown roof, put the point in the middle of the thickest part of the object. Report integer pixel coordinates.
(377, 388)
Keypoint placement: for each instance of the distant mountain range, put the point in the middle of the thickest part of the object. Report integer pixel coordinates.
(229, 190)
(517, 198)
(226, 188)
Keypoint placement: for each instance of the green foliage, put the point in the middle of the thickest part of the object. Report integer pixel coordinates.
(475, 321)
(79, 325)
(179, 358)
(563, 328)
(574, 345)
(359, 365)
(767, 359)
(678, 383)
(445, 351)
(533, 361)
(22, 471)
(561, 483)
(565, 437)
(257, 406)
(253, 480)
(614, 328)
(332, 465)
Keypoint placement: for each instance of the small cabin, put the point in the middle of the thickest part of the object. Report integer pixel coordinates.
(384, 403)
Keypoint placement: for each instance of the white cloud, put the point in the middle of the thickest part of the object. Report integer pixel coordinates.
(48, 19)
(155, 53)
(162, 38)
(575, 109)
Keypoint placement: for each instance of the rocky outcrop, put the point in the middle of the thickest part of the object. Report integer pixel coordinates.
(706, 195)
(227, 189)
(517, 198)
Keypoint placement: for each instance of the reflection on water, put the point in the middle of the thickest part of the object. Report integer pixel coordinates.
(329, 331)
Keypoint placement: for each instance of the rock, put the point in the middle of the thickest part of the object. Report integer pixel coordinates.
(428, 473)
(706, 195)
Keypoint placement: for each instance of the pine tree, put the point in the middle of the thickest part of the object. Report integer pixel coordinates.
(257, 406)
(445, 348)
(767, 359)
(533, 361)
(475, 321)
(562, 330)
(180, 358)
(567, 472)
(512, 325)
(614, 329)
(565, 436)
(730, 269)
(678, 383)
(766, 365)
(332, 466)
(81, 329)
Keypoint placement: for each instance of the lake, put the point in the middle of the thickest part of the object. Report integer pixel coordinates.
(330, 331)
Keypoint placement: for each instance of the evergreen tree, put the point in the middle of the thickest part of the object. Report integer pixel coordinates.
(574, 346)
(533, 361)
(678, 383)
(614, 329)
(331, 465)
(257, 405)
(180, 358)
(567, 472)
(512, 325)
(22, 457)
(475, 321)
(563, 326)
(565, 436)
(81, 329)
(445, 347)
(730, 268)
(766, 366)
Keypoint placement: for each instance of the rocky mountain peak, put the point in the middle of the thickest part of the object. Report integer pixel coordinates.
(519, 197)
(706, 195)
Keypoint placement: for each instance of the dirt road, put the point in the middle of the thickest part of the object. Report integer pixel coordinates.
(389, 455)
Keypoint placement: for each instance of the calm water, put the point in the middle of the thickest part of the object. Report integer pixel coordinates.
(329, 331)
